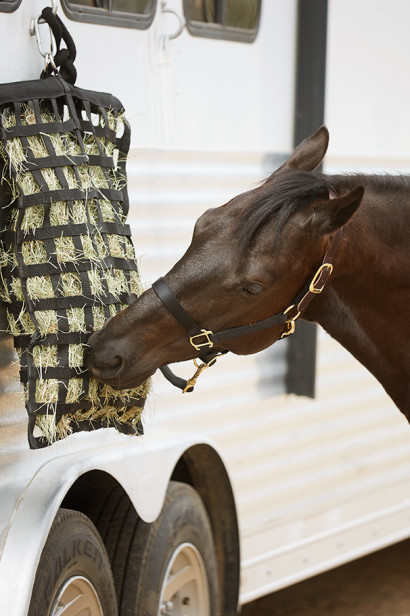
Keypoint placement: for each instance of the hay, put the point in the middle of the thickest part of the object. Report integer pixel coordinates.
(25, 294)
(34, 252)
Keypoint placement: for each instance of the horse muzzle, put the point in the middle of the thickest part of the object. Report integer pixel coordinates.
(107, 363)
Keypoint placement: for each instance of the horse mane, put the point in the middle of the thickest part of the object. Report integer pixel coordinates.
(280, 196)
(288, 191)
(380, 183)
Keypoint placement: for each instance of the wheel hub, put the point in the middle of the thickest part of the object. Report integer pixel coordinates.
(77, 597)
(185, 588)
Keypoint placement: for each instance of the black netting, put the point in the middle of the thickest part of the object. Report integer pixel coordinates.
(67, 260)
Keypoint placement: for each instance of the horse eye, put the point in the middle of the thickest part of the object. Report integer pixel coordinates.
(253, 289)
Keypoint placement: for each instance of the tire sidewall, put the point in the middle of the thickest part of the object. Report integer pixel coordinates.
(183, 520)
(73, 548)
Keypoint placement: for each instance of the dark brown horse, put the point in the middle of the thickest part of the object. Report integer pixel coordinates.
(251, 258)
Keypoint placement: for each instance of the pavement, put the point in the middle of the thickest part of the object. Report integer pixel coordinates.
(376, 585)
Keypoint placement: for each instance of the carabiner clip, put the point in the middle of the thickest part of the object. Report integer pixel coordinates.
(54, 7)
(35, 31)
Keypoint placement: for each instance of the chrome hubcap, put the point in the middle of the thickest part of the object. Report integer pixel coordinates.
(185, 588)
(77, 597)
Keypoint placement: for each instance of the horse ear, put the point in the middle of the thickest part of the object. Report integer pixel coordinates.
(329, 216)
(309, 154)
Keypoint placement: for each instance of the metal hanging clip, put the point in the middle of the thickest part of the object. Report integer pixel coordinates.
(35, 31)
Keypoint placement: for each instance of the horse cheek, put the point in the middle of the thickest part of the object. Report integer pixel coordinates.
(248, 345)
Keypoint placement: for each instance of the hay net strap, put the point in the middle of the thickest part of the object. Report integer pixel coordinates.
(64, 58)
(84, 114)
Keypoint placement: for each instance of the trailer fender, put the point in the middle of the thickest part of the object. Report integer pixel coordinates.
(142, 466)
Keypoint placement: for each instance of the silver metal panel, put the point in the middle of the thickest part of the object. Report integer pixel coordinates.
(333, 477)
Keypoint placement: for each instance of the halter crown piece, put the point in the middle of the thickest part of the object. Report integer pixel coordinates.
(203, 340)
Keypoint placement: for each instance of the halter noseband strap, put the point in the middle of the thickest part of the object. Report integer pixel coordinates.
(203, 340)
(199, 338)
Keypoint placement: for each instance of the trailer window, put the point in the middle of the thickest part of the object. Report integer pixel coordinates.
(8, 6)
(235, 20)
(123, 13)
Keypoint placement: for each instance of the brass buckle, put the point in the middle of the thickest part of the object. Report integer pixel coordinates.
(291, 323)
(190, 384)
(200, 345)
(316, 277)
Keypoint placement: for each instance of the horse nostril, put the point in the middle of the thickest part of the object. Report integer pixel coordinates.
(106, 369)
(116, 362)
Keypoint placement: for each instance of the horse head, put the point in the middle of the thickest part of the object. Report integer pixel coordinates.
(248, 259)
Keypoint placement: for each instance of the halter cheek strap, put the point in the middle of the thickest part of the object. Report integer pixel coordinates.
(316, 286)
(203, 340)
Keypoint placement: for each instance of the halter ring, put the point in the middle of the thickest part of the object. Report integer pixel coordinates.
(291, 323)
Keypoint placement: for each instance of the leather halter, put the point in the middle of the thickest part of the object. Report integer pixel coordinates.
(203, 340)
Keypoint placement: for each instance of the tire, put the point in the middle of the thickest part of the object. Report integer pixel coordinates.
(74, 568)
(179, 542)
(117, 524)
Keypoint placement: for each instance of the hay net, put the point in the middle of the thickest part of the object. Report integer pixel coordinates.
(67, 262)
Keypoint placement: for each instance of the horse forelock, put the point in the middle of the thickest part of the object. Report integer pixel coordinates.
(281, 196)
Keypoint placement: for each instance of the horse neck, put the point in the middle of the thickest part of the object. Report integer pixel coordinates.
(365, 306)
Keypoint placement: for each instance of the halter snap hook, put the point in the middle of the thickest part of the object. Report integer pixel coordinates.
(190, 384)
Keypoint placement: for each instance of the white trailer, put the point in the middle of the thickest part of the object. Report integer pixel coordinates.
(240, 488)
